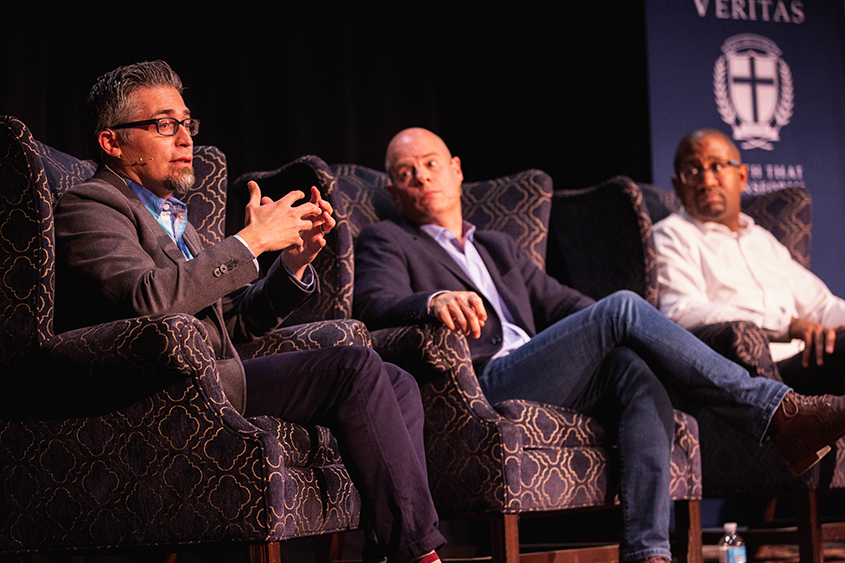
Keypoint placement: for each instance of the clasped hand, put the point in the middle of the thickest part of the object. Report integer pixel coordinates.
(298, 230)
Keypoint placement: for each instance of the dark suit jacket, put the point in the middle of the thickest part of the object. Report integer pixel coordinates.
(398, 267)
(113, 261)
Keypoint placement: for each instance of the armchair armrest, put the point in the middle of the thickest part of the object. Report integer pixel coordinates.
(742, 342)
(465, 437)
(752, 469)
(103, 368)
(308, 336)
(435, 356)
(139, 403)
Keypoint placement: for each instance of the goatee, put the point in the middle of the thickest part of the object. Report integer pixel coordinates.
(181, 183)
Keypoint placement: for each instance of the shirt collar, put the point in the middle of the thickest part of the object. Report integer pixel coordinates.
(442, 234)
(154, 203)
(746, 223)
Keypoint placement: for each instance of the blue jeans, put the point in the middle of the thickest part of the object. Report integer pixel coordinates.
(622, 361)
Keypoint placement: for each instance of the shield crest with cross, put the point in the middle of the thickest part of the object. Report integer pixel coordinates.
(753, 87)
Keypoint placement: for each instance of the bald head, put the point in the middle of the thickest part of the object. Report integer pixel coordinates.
(410, 137)
(693, 141)
(425, 179)
(713, 177)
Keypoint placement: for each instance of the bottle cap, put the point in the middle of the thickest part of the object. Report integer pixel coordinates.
(730, 527)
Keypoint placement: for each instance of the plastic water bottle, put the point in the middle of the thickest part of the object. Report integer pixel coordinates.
(731, 546)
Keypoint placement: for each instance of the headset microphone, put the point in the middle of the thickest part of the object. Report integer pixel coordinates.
(139, 161)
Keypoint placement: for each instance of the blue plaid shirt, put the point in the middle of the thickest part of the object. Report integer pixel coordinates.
(170, 213)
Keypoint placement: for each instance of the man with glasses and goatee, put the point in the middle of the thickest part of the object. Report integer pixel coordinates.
(125, 249)
(717, 265)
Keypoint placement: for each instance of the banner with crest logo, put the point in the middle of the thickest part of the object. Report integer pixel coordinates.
(771, 75)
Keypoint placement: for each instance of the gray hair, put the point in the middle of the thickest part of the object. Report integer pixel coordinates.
(110, 101)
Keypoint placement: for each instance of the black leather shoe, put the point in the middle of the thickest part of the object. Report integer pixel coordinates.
(803, 428)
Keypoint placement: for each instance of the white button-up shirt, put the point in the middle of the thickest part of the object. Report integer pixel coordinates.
(709, 274)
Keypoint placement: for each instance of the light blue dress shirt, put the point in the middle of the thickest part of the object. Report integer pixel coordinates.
(467, 257)
(172, 215)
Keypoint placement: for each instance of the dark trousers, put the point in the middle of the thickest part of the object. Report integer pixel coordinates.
(374, 411)
(815, 379)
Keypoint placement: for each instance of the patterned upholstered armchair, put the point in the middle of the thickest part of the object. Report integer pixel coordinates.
(601, 241)
(517, 457)
(119, 435)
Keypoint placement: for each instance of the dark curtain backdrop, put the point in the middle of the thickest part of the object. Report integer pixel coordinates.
(562, 88)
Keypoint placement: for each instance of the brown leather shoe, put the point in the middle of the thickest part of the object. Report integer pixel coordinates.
(804, 428)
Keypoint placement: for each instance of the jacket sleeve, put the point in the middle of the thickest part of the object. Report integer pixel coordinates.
(385, 292)
(117, 262)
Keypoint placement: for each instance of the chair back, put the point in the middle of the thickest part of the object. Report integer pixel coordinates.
(786, 213)
(334, 263)
(32, 178)
(518, 204)
(601, 240)
(601, 237)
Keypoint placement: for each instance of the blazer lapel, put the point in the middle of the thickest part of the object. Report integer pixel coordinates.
(168, 247)
(504, 291)
(440, 254)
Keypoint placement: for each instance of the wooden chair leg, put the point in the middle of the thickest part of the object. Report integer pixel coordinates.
(688, 530)
(329, 548)
(769, 512)
(265, 553)
(504, 535)
(810, 541)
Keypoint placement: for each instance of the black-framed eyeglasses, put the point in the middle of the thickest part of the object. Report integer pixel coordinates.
(694, 175)
(167, 126)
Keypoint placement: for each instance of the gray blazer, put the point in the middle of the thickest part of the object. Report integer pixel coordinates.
(114, 261)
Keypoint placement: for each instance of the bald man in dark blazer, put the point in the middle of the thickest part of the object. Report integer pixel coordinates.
(533, 338)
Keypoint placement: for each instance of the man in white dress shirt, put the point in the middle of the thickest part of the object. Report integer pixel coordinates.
(717, 265)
